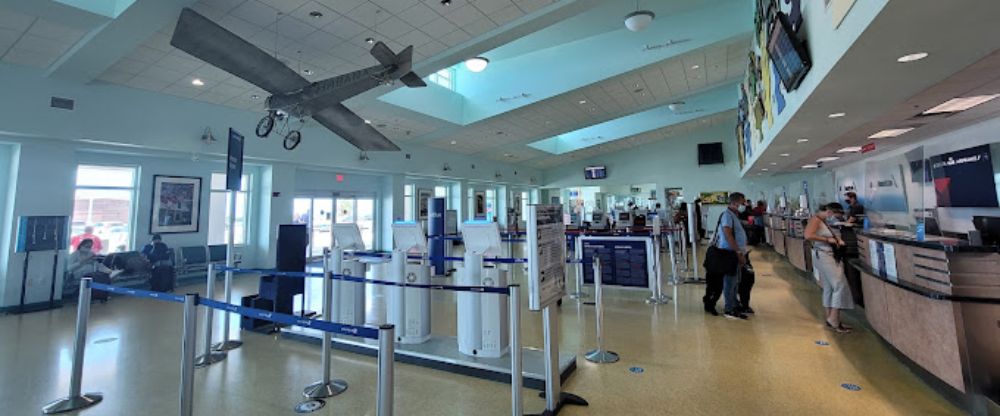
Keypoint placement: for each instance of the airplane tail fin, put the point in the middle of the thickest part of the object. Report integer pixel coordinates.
(403, 61)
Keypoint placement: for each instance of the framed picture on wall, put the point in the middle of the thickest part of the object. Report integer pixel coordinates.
(479, 203)
(176, 204)
(423, 195)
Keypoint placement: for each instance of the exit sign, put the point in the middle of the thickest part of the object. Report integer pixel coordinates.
(870, 147)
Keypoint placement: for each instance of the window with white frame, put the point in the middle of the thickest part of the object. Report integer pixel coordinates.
(491, 203)
(103, 205)
(408, 202)
(218, 210)
(441, 192)
(444, 78)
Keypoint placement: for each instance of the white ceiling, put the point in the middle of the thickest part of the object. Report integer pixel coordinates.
(31, 41)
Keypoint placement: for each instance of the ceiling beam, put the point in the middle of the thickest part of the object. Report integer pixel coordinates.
(114, 39)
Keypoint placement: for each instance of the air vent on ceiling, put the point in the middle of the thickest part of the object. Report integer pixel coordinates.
(63, 103)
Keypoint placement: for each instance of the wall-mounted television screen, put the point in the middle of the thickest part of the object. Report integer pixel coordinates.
(710, 154)
(595, 172)
(964, 178)
(790, 57)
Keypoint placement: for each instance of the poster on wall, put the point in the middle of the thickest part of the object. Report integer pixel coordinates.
(176, 204)
(423, 199)
(716, 197)
(479, 204)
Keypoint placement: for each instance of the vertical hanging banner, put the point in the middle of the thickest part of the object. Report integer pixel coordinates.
(234, 161)
(546, 255)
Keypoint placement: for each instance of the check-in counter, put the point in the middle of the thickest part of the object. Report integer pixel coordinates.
(797, 248)
(776, 225)
(937, 303)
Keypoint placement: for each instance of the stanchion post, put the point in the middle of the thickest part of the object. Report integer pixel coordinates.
(227, 344)
(673, 259)
(657, 298)
(600, 355)
(209, 357)
(578, 267)
(75, 400)
(188, 347)
(684, 250)
(386, 355)
(326, 387)
(514, 307)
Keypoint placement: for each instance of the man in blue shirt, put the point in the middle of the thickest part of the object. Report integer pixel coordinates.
(732, 237)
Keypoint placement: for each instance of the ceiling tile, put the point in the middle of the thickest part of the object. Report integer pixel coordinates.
(302, 13)
(347, 29)
(257, 13)
(13, 20)
(455, 38)
(341, 6)
(394, 28)
(285, 6)
(395, 6)
(479, 27)
(438, 28)
(293, 28)
(464, 15)
(418, 15)
(26, 57)
(506, 15)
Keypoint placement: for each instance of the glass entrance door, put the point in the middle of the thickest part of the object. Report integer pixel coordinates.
(317, 214)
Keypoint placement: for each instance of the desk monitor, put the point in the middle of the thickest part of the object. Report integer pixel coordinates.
(348, 236)
(989, 228)
(217, 253)
(482, 237)
(409, 236)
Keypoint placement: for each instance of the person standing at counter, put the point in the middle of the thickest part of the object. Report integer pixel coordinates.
(856, 211)
(826, 261)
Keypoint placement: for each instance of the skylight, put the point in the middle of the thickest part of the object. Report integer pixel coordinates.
(444, 78)
(108, 8)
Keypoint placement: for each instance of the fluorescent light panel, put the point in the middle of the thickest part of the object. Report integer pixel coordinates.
(851, 149)
(887, 133)
(955, 105)
(810, 166)
(827, 159)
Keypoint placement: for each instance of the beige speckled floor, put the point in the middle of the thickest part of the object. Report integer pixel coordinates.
(694, 364)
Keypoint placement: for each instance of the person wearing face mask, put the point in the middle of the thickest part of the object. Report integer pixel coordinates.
(827, 257)
(856, 211)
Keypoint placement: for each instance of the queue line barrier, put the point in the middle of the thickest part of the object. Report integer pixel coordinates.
(75, 400)
(511, 291)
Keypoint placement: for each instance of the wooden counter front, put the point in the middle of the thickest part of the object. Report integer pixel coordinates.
(778, 240)
(799, 252)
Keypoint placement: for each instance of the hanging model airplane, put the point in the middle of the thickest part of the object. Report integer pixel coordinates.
(291, 94)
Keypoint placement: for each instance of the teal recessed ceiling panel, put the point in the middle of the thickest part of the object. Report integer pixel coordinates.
(705, 104)
(109, 8)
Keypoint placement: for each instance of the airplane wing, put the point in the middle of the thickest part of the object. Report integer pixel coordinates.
(206, 40)
(349, 126)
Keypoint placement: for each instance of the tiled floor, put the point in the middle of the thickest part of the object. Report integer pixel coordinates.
(693, 364)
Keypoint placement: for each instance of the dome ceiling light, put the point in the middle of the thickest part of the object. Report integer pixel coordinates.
(477, 64)
(639, 19)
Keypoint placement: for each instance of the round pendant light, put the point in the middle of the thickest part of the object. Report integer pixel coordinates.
(638, 20)
(477, 64)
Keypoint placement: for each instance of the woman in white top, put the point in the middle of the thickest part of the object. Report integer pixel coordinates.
(836, 292)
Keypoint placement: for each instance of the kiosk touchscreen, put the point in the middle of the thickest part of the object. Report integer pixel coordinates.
(624, 220)
(482, 317)
(348, 297)
(409, 308)
(598, 221)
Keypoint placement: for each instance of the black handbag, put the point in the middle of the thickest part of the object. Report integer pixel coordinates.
(719, 261)
(839, 251)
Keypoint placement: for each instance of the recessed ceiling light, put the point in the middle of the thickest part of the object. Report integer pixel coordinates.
(583, 101)
(765, 169)
(890, 133)
(446, 2)
(477, 64)
(695, 66)
(315, 14)
(850, 149)
(508, 155)
(774, 163)
(802, 140)
(810, 166)
(955, 105)
(785, 155)
(254, 97)
(367, 121)
(197, 82)
(307, 71)
(913, 57)
(454, 142)
(836, 115)
(827, 159)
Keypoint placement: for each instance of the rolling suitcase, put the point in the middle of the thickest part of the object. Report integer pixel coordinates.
(161, 278)
(100, 295)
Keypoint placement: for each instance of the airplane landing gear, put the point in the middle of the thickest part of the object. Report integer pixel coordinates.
(292, 140)
(266, 124)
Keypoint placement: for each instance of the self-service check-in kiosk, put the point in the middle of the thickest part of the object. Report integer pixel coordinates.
(348, 297)
(409, 308)
(482, 318)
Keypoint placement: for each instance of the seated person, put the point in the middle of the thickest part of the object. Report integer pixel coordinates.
(85, 263)
(88, 234)
(156, 251)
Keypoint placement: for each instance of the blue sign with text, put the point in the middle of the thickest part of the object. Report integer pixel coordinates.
(234, 161)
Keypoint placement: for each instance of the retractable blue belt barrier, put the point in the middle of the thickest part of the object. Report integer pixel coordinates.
(348, 278)
(139, 293)
(280, 318)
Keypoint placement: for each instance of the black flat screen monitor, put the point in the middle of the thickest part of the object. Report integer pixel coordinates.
(710, 154)
(789, 55)
(623, 216)
(989, 228)
(595, 172)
